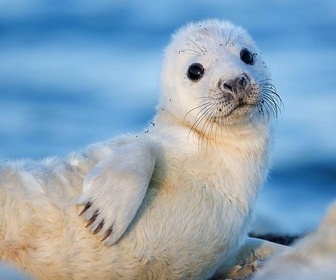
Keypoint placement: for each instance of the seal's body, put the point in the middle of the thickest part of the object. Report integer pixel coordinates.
(172, 203)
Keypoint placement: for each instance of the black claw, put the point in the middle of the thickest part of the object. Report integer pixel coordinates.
(93, 218)
(107, 233)
(99, 227)
(86, 207)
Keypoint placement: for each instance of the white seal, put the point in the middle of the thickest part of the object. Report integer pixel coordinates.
(172, 203)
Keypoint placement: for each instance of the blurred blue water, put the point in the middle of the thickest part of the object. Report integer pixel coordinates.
(76, 72)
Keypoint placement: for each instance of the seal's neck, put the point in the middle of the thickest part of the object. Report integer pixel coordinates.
(240, 151)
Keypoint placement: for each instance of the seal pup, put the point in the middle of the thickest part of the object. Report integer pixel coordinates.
(172, 203)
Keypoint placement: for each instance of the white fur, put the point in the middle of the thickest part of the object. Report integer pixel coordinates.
(179, 198)
(313, 257)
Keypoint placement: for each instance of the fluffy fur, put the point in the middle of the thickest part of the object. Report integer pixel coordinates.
(313, 257)
(173, 203)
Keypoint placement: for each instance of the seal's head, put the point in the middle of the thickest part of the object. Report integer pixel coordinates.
(213, 74)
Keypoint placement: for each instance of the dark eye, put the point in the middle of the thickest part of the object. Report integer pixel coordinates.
(195, 72)
(247, 56)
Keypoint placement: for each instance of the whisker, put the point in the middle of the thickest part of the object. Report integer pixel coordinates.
(267, 107)
(210, 123)
(204, 128)
(202, 111)
(205, 97)
(203, 50)
(197, 107)
(270, 100)
(261, 108)
(266, 81)
(271, 104)
(190, 50)
(229, 38)
(234, 41)
(199, 117)
(266, 96)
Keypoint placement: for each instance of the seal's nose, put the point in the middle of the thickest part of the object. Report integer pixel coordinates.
(236, 85)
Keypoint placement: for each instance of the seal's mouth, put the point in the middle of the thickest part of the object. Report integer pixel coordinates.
(242, 109)
(237, 106)
(243, 106)
(261, 98)
(243, 103)
(229, 102)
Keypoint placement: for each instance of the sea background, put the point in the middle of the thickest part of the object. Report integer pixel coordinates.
(76, 72)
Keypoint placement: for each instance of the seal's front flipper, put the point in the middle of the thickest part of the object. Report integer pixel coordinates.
(251, 256)
(114, 189)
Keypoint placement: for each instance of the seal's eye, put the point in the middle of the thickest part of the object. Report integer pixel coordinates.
(247, 56)
(195, 72)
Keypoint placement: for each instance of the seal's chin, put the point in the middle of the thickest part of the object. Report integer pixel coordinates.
(243, 109)
(240, 114)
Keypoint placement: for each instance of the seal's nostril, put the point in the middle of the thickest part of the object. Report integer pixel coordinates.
(228, 86)
(243, 82)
